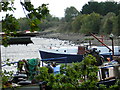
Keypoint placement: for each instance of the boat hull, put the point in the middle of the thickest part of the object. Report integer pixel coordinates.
(70, 57)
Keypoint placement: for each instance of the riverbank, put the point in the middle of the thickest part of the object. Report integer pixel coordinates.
(78, 38)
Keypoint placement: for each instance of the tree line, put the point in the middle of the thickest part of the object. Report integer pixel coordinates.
(101, 7)
(95, 17)
(98, 18)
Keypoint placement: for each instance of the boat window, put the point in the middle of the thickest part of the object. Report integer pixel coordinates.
(99, 51)
(64, 50)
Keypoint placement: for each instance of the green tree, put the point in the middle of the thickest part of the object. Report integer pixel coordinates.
(90, 8)
(108, 23)
(118, 21)
(49, 22)
(110, 7)
(70, 13)
(102, 8)
(77, 23)
(10, 23)
(24, 24)
(91, 23)
(115, 29)
(76, 76)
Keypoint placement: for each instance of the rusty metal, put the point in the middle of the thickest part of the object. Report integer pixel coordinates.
(101, 42)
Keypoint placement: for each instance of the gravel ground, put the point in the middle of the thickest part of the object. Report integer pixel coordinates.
(78, 38)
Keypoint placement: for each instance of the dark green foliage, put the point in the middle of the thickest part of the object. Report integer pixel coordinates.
(77, 23)
(35, 15)
(109, 26)
(6, 76)
(49, 22)
(102, 87)
(6, 7)
(115, 29)
(88, 85)
(43, 74)
(118, 18)
(93, 22)
(24, 24)
(11, 25)
(70, 13)
(96, 17)
(116, 86)
(74, 21)
(75, 76)
(91, 7)
(102, 8)
(108, 23)
(90, 23)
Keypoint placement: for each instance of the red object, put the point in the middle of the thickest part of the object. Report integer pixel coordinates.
(101, 42)
(81, 50)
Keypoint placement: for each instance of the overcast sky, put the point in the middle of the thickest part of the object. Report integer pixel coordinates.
(56, 7)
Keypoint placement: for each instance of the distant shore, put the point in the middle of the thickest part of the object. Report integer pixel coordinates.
(78, 38)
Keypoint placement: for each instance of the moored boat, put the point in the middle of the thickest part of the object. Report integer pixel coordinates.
(76, 54)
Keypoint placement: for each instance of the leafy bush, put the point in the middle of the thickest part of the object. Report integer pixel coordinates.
(76, 76)
(43, 74)
(116, 86)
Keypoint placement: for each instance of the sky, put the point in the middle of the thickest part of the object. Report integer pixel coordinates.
(56, 7)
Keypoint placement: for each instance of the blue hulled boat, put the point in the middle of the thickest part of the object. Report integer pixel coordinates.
(76, 54)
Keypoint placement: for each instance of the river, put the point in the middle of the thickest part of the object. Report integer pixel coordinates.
(18, 52)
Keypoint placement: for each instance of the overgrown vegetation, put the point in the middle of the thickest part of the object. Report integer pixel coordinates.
(11, 25)
(80, 75)
(99, 18)
(95, 17)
